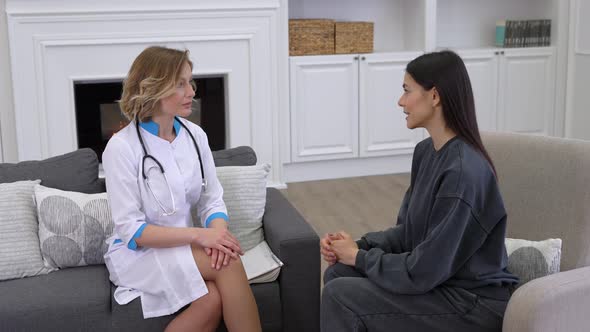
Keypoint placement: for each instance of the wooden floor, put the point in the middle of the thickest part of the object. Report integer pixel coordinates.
(355, 205)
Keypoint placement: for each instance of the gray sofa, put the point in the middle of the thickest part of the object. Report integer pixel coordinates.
(81, 299)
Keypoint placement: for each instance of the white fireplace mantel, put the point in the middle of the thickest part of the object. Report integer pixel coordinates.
(54, 43)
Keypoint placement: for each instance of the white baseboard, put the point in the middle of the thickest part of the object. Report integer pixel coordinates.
(344, 168)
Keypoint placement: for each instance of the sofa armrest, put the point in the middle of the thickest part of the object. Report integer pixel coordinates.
(293, 240)
(558, 302)
(102, 185)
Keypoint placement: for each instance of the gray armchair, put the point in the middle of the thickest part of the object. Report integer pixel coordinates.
(545, 184)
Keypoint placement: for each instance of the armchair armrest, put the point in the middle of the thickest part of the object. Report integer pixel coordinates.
(558, 302)
(293, 240)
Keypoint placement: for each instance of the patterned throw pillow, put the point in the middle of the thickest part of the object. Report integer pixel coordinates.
(73, 227)
(529, 260)
(19, 240)
(244, 194)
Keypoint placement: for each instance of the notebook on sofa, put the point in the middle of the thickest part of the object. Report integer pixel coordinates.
(261, 264)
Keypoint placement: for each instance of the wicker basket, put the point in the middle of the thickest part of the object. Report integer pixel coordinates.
(311, 36)
(353, 37)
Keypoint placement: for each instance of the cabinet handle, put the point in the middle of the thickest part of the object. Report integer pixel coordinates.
(496, 53)
(363, 58)
(356, 57)
(502, 52)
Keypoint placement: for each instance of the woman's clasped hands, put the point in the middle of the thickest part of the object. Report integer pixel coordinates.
(339, 247)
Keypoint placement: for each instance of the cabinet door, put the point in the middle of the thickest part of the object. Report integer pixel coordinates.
(324, 107)
(382, 125)
(482, 66)
(527, 91)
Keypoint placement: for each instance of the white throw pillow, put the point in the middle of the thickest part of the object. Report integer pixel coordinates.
(529, 260)
(244, 194)
(73, 227)
(19, 240)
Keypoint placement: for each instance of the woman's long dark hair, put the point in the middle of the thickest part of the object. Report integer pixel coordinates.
(446, 72)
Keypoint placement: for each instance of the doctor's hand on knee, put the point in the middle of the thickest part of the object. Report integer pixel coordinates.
(218, 238)
(219, 259)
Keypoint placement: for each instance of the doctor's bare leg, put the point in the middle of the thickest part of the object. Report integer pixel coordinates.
(204, 314)
(240, 312)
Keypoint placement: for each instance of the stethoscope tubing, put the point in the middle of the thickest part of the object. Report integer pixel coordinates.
(146, 155)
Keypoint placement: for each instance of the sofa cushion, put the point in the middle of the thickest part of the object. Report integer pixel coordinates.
(76, 299)
(73, 227)
(238, 156)
(244, 194)
(130, 317)
(19, 241)
(74, 171)
(530, 260)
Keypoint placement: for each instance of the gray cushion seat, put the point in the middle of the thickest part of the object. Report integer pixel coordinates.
(62, 299)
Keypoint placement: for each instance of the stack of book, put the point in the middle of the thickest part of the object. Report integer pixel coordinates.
(523, 33)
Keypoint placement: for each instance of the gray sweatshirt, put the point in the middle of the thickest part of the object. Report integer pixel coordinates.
(450, 229)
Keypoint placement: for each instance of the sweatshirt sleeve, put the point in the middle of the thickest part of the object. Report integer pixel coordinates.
(453, 236)
(390, 240)
(210, 205)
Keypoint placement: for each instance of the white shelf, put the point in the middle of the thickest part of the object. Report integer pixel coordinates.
(383, 53)
(399, 24)
(472, 23)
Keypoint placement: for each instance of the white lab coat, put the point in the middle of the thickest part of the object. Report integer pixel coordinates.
(167, 279)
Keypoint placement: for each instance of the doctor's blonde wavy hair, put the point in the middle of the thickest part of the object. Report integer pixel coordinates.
(152, 77)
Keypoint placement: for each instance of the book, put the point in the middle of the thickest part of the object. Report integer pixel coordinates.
(500, 33)
(524, 33)
(261, 264)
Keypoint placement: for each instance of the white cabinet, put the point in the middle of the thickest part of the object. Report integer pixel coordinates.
(324, 107)
(345, 106)
(527, 91)
(482, 66)
(382, 125)
(513, 88)
(343, 114)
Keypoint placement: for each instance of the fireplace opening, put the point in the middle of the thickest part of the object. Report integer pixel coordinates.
(98, 116)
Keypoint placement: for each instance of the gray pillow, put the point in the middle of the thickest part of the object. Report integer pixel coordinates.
(238, 156)
(74, 171)
(73, 227)
(529, 260)
(19, 241)
(244, 194)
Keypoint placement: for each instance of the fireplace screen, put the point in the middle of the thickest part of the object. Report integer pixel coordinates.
(98, 116)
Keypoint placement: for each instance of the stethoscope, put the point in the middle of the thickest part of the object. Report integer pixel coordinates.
(146, 156)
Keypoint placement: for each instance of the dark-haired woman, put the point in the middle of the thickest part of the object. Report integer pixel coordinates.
(443, 266)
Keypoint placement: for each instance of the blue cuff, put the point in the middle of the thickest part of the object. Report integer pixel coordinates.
(132, 244)
(215, 216)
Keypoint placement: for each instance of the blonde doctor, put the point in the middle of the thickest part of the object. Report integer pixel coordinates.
(157, 168)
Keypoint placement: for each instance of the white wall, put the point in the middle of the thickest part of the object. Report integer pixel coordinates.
(578, 107)
(8, 152)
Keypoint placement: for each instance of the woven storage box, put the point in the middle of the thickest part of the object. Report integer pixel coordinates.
(311, 36)
(353, 37)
